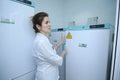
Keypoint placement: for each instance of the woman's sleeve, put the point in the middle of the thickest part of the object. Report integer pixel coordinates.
(50, 54)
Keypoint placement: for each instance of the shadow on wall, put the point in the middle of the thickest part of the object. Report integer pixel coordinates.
(25, 1)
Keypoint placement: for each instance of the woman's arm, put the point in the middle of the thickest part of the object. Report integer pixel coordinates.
(58, 45)
(61, 42)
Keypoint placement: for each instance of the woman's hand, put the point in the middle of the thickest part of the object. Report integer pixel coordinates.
(64, 52)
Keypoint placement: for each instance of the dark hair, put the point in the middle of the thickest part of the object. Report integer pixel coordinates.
(37, 19)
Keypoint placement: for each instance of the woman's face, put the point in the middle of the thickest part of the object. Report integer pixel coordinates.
(45, 27)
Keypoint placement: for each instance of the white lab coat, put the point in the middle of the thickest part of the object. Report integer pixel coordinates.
(46, 59)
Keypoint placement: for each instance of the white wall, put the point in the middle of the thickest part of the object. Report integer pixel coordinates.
(80, 10)
(54, 8)
(62, 12)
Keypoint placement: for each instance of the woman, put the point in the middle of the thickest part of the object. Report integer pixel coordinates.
(45, 54)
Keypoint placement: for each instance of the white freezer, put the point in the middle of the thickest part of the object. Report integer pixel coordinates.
(88, 55)
(115, 70)
(16, 37)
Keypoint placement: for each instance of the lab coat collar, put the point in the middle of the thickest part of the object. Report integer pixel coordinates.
(41, 35)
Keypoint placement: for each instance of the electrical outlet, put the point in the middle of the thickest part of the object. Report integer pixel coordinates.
(72, 23)
(92, 20)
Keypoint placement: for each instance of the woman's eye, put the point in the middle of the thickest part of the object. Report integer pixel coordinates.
(47, 22)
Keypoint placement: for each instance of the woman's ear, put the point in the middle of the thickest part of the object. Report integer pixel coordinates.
(38, 27)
